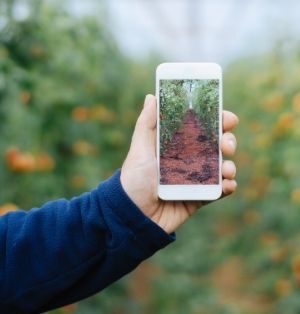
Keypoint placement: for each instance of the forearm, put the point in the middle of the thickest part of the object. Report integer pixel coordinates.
(69, 250)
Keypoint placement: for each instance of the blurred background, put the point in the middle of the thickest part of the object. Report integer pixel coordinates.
(73, 75)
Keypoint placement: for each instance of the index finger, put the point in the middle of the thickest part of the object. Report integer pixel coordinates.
(230, 120)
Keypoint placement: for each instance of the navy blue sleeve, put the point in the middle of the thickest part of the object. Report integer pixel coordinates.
(69, 250)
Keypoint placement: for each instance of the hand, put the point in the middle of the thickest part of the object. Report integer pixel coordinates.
(139, 175)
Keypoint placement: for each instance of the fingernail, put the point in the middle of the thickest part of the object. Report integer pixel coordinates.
(234, 183)
(232, 143)
(237, 120)
(232, 167)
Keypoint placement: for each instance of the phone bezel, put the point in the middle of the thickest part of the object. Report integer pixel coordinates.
(189, 71)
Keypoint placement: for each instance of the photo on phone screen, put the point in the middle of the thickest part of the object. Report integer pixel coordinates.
(189, 131)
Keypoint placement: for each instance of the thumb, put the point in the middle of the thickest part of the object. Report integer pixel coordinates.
(147, 118)
(144, 132)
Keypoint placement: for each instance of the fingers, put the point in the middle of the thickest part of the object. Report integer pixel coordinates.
(230, 120)
(228, 144)
(228, 170)
(229, 186)
(228, 147)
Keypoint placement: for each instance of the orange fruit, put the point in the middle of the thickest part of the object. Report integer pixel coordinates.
(283, 287)
(296, 102)
(295, 196)
(44, 162)
(84, 148)
(25, 97)
(80, 114)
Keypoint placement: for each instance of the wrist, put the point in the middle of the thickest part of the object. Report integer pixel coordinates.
(125, 207)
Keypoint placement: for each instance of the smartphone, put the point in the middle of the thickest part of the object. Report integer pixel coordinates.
(189, 129)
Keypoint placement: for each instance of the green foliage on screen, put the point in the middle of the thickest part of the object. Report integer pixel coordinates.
(207, 105)
(175, 96)
(173, 105)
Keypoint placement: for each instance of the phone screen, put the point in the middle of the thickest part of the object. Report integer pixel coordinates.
(189, 131)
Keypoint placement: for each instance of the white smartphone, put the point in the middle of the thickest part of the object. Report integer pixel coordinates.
(189, 129)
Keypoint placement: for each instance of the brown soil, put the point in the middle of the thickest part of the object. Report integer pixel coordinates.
(190, 157)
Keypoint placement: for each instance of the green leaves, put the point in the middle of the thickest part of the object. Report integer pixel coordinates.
(173, 105)
(206, 100)
(51, 66)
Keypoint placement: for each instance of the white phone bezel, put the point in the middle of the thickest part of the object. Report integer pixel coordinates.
(189, 71)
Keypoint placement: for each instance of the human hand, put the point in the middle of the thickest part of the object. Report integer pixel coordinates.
(139, 175)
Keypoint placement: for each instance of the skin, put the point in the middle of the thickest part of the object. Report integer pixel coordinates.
(139, 175)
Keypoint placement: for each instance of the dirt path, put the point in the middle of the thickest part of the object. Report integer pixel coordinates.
(190, 157)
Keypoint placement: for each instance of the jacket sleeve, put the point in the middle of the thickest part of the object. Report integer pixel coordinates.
(68, 250)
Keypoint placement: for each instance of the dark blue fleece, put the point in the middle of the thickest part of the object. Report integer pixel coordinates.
(68, 250)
